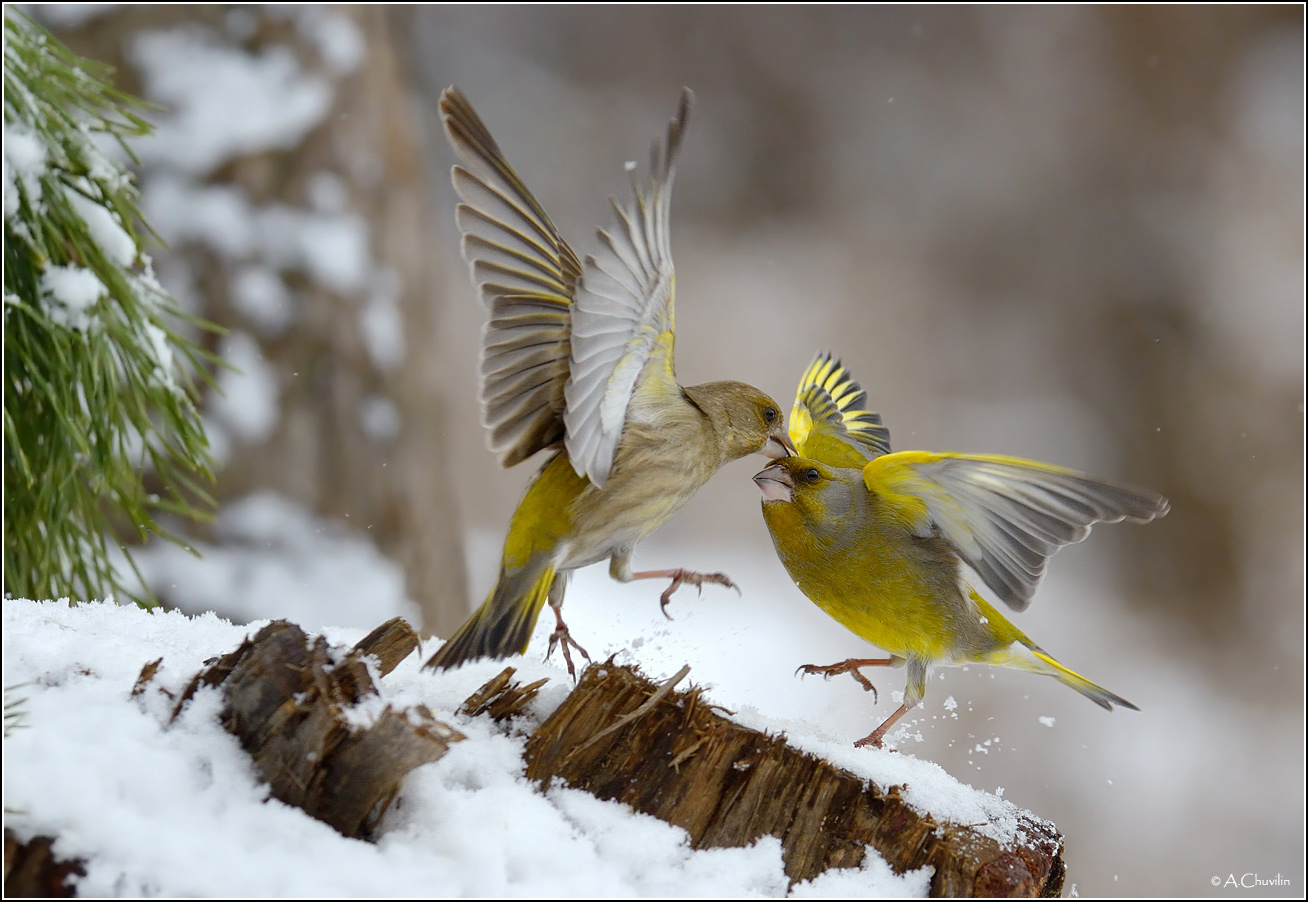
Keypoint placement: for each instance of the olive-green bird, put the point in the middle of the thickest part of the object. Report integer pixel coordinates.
(578, 359)
(879, 540)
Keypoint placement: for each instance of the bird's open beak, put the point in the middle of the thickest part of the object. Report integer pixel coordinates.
(777, 447)
(775, 483)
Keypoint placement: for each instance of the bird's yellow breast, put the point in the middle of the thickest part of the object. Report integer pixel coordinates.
(896, 590)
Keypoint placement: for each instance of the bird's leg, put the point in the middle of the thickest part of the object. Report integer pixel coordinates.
(561, 636)
(874, 738)
(620, 569)
(851, 667)
(682, 577)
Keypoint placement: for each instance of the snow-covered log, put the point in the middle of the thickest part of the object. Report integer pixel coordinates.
(115, 768)
(316, 726)
(671, 755)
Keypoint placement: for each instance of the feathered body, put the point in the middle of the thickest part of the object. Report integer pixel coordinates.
(579, 359)
(880, 546)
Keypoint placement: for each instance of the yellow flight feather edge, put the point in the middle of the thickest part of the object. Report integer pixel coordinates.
(829, 422)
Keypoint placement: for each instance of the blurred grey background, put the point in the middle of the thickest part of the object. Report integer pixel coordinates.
(1074, 234)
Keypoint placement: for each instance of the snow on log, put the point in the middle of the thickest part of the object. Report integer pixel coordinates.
(315, 725)
(32, 871)
(668, 754)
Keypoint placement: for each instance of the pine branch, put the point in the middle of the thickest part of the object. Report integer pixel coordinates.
(100, 382)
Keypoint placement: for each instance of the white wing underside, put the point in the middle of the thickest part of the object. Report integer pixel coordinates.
(623, 306)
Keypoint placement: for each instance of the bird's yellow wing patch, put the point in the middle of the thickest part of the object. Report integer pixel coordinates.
(1004, 515)
(829, 422)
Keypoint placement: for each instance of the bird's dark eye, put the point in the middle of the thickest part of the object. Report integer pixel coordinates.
(769, 414)
(812, 475)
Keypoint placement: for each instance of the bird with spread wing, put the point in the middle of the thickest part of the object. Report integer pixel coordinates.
(878, 540)
(578, 358)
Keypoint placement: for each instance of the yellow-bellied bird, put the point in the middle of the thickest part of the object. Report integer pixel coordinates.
(578, 359)
(878, 540)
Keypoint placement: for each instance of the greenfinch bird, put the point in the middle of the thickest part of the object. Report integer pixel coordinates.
(878, 540)
(579, 359)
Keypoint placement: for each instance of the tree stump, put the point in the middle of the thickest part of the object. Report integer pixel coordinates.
(32, 871)
(314, 724)
(669, 755)
(306, 721)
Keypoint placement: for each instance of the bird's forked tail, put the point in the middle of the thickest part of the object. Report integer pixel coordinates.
(1096, 693)
(503, 625)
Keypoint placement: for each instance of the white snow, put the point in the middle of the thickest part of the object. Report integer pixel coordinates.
(327, 193)
(163, 355)
(382, 324)
(218, 216)
(71, 15)
(69, 292)
(248, 402)
(24, 159)
(380, 418)
(106, 161)
(101, 770)
(259, 295)
(220, 442)
(223, 101)
(332, 248)
(278, 560)
(337, 39)
(103, 225)
(11, 197)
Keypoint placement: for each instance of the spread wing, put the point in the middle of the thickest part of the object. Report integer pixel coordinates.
(830, 422)
(623, 317)
(1004, 515)
(527, 275)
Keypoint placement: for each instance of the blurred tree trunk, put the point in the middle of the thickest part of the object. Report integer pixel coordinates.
(354, 318)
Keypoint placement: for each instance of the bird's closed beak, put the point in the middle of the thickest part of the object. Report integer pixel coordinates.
(779, 446)
(775, 483)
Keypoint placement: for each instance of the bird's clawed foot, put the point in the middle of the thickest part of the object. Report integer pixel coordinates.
(690, 577)
(851, 666)
(562, 638)
(874, 738)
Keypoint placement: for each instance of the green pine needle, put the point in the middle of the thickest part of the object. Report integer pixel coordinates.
(92, 394)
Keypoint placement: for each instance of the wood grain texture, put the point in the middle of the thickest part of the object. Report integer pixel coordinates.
(728, 785)
(33, 872)
(288, 699)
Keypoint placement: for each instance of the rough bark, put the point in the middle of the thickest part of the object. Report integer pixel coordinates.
(320, 453)
(669, 755)
(289, 703)
(389, 643)
(501, 698)
(618, 736)
(32, 871)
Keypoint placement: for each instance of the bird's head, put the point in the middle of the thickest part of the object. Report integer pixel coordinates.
(746, 420)
(809, 489)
